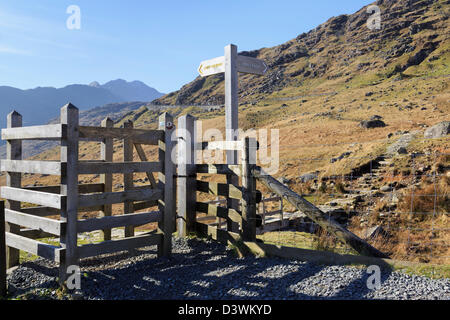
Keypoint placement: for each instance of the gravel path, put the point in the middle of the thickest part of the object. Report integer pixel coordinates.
(208, 270)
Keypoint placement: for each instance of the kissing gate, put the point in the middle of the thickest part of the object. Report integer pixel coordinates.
(70, 197)
(27, 209)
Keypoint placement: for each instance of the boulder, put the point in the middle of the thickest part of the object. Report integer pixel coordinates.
(438, 131)
(369, 124)
(308, 177)
(376, 231)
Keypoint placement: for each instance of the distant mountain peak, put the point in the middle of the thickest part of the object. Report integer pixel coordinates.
(132, 91)
(94, 84)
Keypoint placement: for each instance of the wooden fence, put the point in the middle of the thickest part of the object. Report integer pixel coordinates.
(243, 215)
(25, 224)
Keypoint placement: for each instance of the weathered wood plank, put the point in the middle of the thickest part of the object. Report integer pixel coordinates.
(141, 153)
(25, 220)
(41, 198)
(271, 199)
(219, 189)
(3, 284)
(248, 190)
(42, 167)
(272, 213)
(13, 179)
(231, 120)
(186, 193)
(221, 212)
(128, 177)
(69, 189)
(131, 219)
(106, 154)
(144, 205)
(315, 214)
(96, 199)
(90, 208)
(118, 167)
(82, 188)
(38, 248)
(139, 136)
(166, 182)
(90, 250)
(219, 169)
(46, 132)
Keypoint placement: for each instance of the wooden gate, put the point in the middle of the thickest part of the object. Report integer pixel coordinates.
(240, 215)
(25, 224)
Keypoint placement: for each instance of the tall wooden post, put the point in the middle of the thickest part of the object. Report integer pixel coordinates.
(106, 152)
(263, 204)
(231, 119)
(187, 175)
(248, 189)
(13, 179)
(128, 177)
(3, 286)
(69, 189)
(165, 182)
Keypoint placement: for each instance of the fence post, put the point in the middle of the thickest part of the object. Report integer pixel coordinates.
(13, 179)
(106, 152)
(69, 189)
(128, 177)
(165, 182)
(187, 175)
(3, 285)
(248, 189)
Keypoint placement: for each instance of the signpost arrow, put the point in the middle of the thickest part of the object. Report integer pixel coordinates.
(244, 64)
(213, 66)
(231, 64)
(251, 65)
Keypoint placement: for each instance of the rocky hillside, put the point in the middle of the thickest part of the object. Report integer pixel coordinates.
(342, 53)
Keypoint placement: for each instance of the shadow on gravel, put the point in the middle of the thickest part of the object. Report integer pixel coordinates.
(359, 288)
(203, 270)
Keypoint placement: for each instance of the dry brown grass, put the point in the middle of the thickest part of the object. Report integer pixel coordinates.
(430, 198)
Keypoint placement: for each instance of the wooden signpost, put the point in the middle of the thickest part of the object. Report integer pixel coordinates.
(232, 63)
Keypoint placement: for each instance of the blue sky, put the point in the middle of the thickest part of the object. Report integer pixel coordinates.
(158, 42)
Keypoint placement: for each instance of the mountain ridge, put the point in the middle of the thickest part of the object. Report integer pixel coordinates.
(414, 33)
(40, 104)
